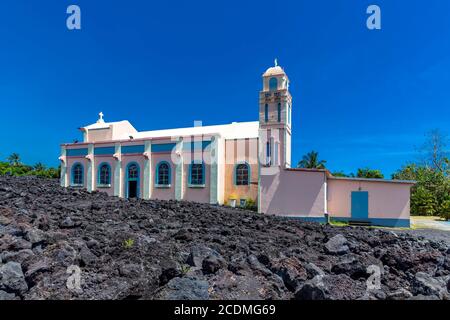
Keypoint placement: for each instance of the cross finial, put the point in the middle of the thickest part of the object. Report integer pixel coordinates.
(276, 62)
(101, 115)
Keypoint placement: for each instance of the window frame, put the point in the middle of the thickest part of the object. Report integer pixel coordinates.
(72, 178)
(197, 184)
(99, 175)
(235, 175)
(169, 175)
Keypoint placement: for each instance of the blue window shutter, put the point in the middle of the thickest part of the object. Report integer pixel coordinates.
(266, 113)
(190, 174)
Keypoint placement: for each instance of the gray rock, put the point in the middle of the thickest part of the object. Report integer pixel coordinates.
(313, 289)
(67, 223)
(65, 254)
(38, 267)
(130, 270)
(198, 253)
(87, 256)
(213, 263)
(170, 272)
(184, 289)
(35, 236)
(4, 296)
(351, 266)
(332, 287)
(92, 243)
(313, 270)
(258, 267)
(400, 294)
(20, 256)
(19, 244)
(425, 284)
(12, 278)
(291, 271)
(337, 245)
(5, 220)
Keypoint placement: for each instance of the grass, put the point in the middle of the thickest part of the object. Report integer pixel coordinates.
(129, 243)
(427, 218)
(338, 223)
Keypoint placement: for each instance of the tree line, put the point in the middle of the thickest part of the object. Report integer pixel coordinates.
(15, 167)
(430, 196)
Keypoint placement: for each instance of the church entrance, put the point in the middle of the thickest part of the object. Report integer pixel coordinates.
(132, 189)
(132, 182)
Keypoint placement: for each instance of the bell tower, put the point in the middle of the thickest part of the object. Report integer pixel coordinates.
(275, 116)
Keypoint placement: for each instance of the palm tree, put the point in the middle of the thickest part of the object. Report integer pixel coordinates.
(311, 161)
(14, 159)
(39, 167)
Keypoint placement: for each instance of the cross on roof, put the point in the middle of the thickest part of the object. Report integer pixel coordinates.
(100, 115)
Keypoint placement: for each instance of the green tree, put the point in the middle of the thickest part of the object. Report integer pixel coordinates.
(369, 173)
(15, 168)
(423, 202)
(39, 167)
(14, 159)
(311, 161)
(432, 190)
(445, 209)
(340, 174)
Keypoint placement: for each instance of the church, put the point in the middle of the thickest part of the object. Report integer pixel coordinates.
(233, 164)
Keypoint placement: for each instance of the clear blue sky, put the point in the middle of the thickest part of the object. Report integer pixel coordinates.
(361, 98)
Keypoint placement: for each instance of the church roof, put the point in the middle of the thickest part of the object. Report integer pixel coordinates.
(235, 130)
(103, 125)
(272, 71)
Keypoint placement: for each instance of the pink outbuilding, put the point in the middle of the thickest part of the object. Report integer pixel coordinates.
(235, 164)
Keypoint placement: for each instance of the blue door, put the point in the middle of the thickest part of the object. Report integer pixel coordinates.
(360, 205)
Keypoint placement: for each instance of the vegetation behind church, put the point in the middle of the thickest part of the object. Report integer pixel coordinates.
(15, 167)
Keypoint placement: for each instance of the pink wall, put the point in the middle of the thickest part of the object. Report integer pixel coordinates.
(99, 135)
(112, 163)
(194, 193)
(238, 151)
(386, 199)
(293, 193)
(70, 162)
(162, 193)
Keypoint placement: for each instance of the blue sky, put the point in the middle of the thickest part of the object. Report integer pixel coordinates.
(361, 98)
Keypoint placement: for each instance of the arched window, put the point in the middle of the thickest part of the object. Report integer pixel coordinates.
(273, 84)
(242, 174)
(77, 175)
(133, 172)
(104, 174)
(266, 113)
(268, 154)
(279, 112)
(163, 174)
(197, 174)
